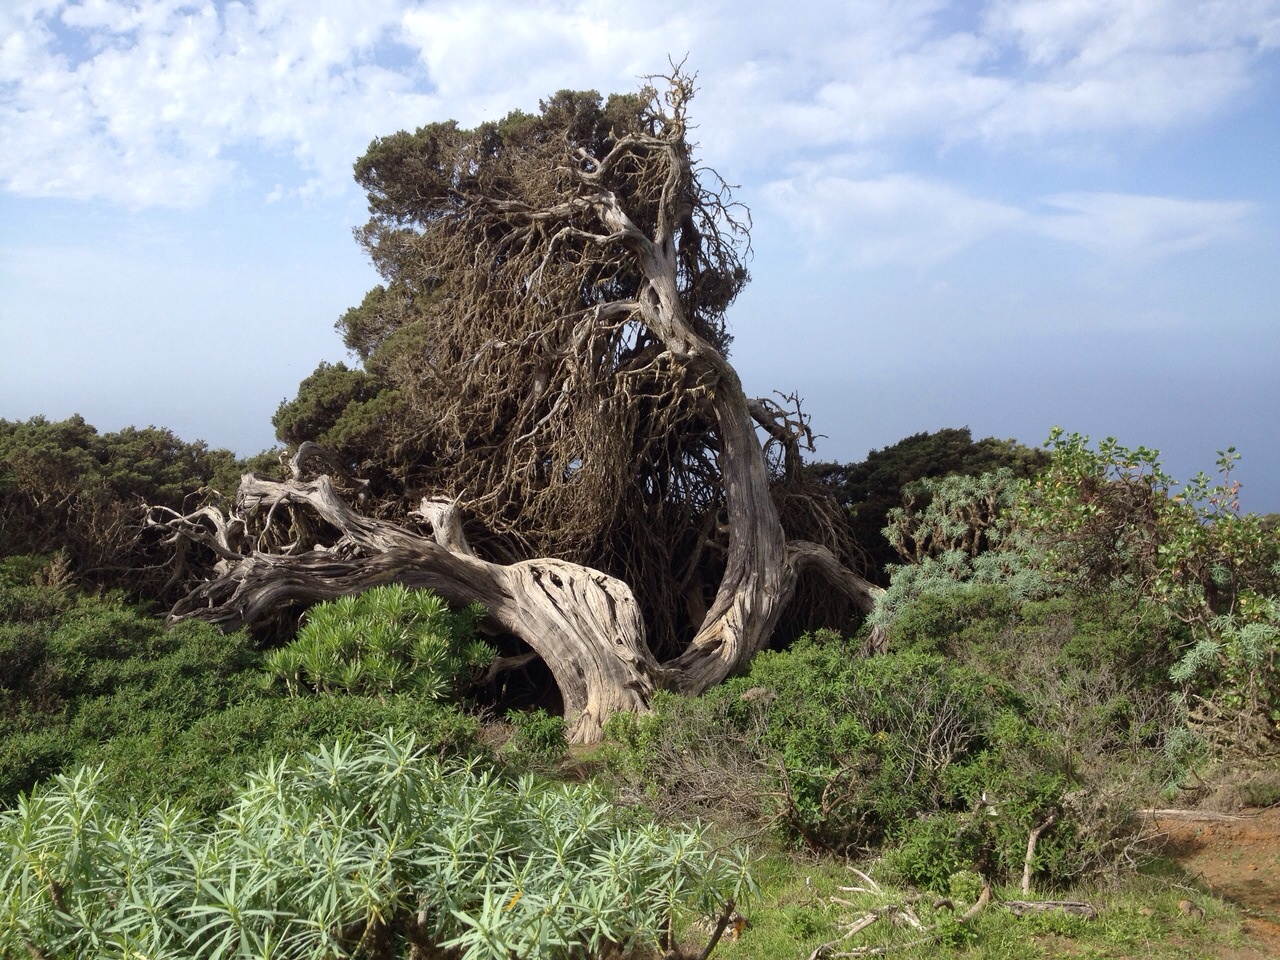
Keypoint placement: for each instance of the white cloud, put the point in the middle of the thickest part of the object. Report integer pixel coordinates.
(1052, 33)
(1096, 65)
(890, 219)
(155, 102)
(1142, 226)
(167, 92)
(900, 219)
(1027, 72)
(147, 104)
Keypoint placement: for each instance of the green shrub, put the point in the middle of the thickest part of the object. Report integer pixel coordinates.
(840, 751)
(65, 487)
(956, 538)
(361, 848)
(183, 713)
(538, 736)
(948, 620)
(869, 744)
(987, 627)
(201, 765)
(693, 757)
(386, 640)
(79, 672)
(1085, 738)
(930, 852)
(1109, 517)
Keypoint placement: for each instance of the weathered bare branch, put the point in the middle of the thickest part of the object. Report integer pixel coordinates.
(585, 625)
(1032, 839)
(553, 331)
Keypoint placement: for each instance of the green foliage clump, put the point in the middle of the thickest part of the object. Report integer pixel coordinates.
(77, 672)
(840, 751)
(183, 713)
(346, 412)
(323, 400)
(199, 765)
(1091, 675)
(386, 640)
(916, 750)
(870, 490)
(963, 514)
(959, 542)
(366, 848)
(64, 486)
(538, 736)
(1109, 517)
(994, 627)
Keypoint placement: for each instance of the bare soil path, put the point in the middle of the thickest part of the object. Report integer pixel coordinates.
(1238, 859)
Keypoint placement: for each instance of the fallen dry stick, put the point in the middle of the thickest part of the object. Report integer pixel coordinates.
(893, 909)
(1020, 908)
(1192, 815)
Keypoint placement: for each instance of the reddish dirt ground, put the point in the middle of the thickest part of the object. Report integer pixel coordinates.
(1239, 860)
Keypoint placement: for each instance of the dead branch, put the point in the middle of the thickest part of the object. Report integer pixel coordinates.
(725, 916)
(1020, 908)
(585, 626)
(875, 887)
(1192, 815)
(1031, 852)
(895, 910)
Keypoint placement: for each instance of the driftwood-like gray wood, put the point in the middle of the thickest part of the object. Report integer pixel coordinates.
(309, 544)
(1021, 908)
(585, 625)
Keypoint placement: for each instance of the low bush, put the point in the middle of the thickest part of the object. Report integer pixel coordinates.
(200, 765)
(1109, 516)
(77, 672)
(386, 640)
(692, 757)
(841, 752)
(537, 737)
(65, 486)
(1098, 708)
(367, 848)
(182, 713)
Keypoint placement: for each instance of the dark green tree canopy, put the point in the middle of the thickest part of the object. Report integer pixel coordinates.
(64, 485)
(418, 184)
(550, 413)
(870, 489)
(507, 356)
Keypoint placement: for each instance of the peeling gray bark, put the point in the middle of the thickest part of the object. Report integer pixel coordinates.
(585, 625)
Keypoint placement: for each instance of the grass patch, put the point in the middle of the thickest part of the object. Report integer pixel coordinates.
(806, 902)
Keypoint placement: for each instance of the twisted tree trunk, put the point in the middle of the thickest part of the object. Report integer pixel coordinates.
(584, 624)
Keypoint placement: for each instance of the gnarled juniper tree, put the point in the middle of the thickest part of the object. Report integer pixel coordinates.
(548, 356)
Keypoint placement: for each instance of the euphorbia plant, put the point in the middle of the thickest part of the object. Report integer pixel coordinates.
(368, 850)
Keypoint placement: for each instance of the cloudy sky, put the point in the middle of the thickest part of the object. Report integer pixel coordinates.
(1007, 215)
